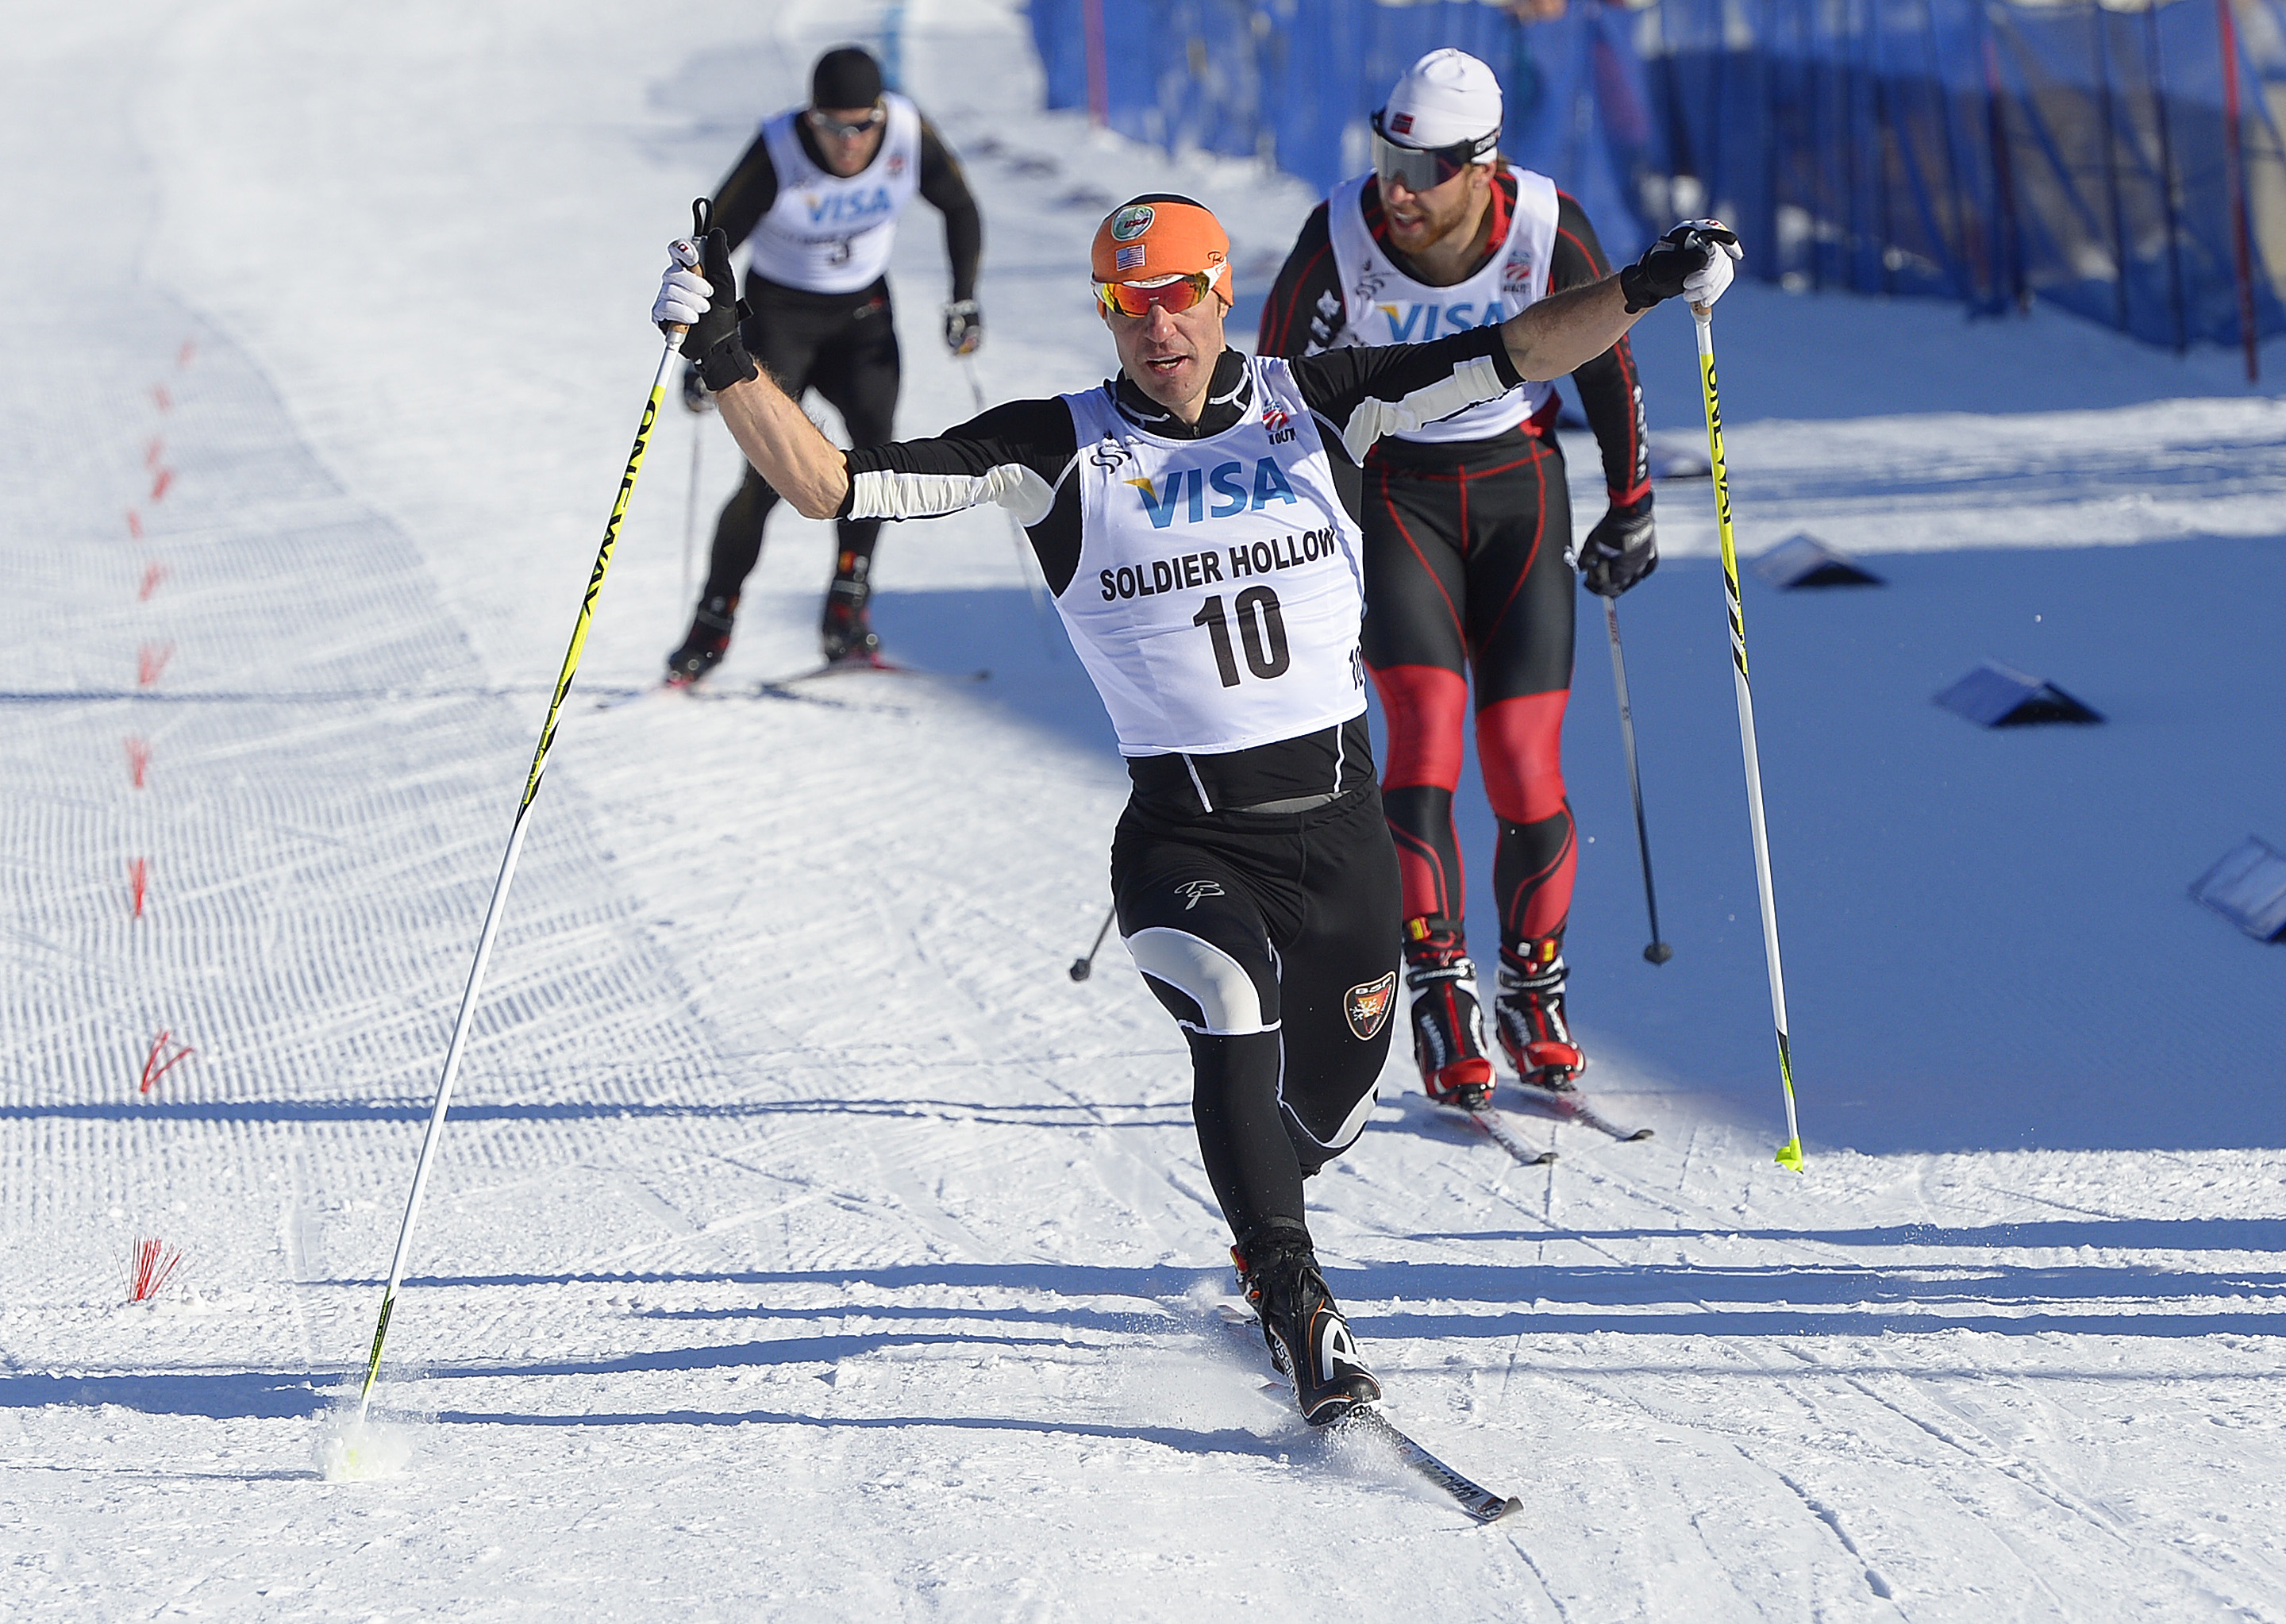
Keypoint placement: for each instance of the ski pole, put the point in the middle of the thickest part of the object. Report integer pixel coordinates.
(1790, 1153)
(1024, 564)
(1658, 952)
(485, 937)
(1082, 968)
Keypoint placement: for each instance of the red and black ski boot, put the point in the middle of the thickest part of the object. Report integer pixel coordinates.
(1529, 1012)
(847, 635)
(704, 644)
(1309, 1341)
(1448, 1029)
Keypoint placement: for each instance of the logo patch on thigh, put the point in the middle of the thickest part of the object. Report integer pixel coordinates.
(1368, 1005)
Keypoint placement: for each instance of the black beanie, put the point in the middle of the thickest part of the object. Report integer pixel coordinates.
(846, 76)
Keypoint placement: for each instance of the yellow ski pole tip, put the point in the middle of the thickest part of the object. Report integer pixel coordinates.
(353, 1451)
(1790, 1155)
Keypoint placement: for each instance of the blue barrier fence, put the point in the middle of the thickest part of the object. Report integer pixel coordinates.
(1982, 150)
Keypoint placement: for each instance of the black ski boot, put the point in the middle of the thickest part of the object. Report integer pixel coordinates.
(848, 636)
(1448, 1029)
(704, 644)
(1530, 1014)
(1310, 1341)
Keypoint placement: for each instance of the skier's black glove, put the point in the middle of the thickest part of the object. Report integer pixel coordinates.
(964, 326)
(696, 396)
(1693, 259)
(712, 339)
(1621, 550)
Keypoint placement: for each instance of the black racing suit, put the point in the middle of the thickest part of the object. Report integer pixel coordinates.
(844, 345)
(1277, 857)
(1466, 569)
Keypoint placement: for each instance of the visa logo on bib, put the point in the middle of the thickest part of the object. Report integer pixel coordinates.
(845, 208)
(1189, 486)
(1426, 317)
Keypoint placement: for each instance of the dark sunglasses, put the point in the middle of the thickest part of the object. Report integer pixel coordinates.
(823, 125)
(1419, 168)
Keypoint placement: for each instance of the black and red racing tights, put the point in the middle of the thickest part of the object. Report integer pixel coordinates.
(1465, 572)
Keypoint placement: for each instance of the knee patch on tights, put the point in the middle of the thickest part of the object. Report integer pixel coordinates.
(1326, 1143)
(1221, 998)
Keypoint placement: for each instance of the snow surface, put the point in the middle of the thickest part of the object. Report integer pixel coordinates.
(805, 1244)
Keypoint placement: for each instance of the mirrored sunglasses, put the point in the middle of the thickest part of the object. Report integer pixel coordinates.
(823, 125)
(1419, 168)
(1171, 294)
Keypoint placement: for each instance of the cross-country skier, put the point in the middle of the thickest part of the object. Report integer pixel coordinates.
(817, 199)
(1186, 517)
(1467, 528)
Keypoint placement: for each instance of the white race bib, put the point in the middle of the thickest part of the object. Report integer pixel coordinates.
(1218, 592)
(826, 233)
(1385, 306)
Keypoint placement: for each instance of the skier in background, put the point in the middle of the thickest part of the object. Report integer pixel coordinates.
(1467, 526)
(817, 196)
(1186, 516)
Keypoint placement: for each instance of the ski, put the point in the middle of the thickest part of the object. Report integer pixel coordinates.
(1481, 1504)
(776, 687)
(621, 698)
(1567, 1104)
(1501, 1132)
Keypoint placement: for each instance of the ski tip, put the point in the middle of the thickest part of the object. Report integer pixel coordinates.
(1640, 1133)
(1543, 1160)
(1790, 1155)
(1495, 1513)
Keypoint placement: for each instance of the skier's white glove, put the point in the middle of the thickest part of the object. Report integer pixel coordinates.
(1709, 283)
(683, 294)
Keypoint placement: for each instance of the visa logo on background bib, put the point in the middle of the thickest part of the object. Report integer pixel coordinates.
(1455, 317)
(1188, 486)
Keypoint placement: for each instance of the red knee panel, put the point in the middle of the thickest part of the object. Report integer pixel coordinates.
(1426, 706)
(1520, 749)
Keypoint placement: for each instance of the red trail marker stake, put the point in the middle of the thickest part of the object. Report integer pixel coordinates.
(149, 1267)
(134, 524)
(138, 876)
(138, 759)
(152, 574)
(150, 661)
(154, 1067)
(159, 485)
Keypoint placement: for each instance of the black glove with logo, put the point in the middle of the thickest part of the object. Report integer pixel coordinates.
(713, 340)
(964, 326)
(1621, 550)
(1680, 261)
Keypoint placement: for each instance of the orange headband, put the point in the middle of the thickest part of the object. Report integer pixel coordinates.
(1144, 241)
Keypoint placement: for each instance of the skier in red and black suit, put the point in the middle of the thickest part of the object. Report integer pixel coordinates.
(1467, 529)
(816, 201)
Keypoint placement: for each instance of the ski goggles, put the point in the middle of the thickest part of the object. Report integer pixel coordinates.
(826, 125)
(1171, 294)
(1420, 168)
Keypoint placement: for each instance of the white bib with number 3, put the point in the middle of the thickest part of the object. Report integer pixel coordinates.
(1220, 586)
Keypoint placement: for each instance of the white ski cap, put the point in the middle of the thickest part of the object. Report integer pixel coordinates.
(1445, 97)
